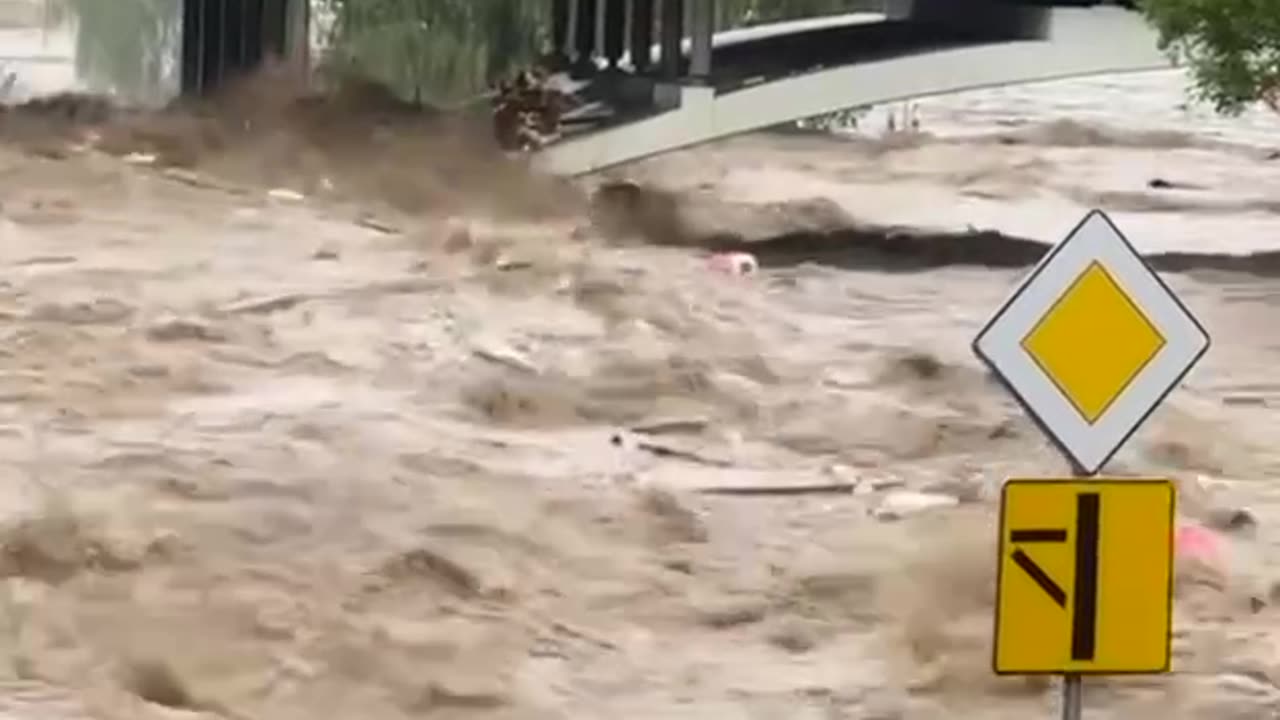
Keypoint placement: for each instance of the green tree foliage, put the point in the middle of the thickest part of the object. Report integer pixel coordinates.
(1232, 47)
(438, 51)
(126, 47)
(443, 51)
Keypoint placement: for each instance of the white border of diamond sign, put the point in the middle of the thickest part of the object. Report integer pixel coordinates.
(999, 344)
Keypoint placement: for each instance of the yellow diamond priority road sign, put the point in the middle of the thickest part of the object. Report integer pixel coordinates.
(1091, 342)
(1085, 577)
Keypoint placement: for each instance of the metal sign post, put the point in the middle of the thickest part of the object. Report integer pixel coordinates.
(1072, 697)
(1089, 344)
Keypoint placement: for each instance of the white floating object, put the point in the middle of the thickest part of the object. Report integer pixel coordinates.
(285, 194)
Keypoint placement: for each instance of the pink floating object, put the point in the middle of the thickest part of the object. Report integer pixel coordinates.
(733, 263)
(1198, 543)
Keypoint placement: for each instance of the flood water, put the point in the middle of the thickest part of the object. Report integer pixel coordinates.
(277, 446)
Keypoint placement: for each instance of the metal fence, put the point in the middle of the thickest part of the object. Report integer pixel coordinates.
(148, 51)
(225, 38)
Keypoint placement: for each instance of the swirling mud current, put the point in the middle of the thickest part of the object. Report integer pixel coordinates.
(987, 188)
(817, 231)
(367, 426)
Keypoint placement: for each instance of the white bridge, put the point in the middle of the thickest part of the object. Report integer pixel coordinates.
(715, 86)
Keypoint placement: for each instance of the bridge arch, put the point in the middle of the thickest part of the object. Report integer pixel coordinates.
(926, 49)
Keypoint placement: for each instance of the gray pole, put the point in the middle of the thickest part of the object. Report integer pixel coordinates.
(1072, 697)
(559, 33)
(615, 30)
(641, 34)
(672, 29)
(584, 40)
(704, 20)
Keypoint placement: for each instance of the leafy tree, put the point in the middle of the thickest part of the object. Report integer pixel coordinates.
(434, 50)
(126, 47)
(1232, 47)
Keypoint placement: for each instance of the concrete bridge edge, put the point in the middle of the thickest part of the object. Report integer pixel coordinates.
(1080, 41)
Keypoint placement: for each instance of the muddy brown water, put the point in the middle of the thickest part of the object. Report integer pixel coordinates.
(426, 438)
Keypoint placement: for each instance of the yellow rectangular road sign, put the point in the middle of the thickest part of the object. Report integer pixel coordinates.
(1085, 581)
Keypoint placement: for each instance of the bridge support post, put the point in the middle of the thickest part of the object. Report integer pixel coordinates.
(704, 20)
(558, 55)
(584, 38)
(615, 30)
(641, 35)
(671, 31)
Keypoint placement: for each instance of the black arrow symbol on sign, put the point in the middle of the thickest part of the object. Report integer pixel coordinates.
(1034, 571)
(1084, 616)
